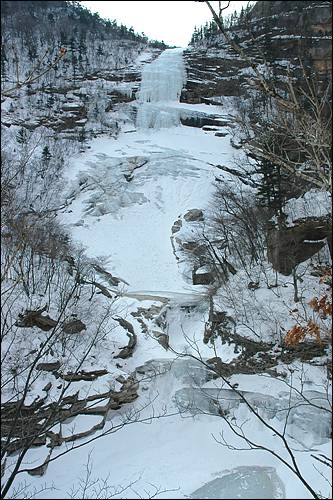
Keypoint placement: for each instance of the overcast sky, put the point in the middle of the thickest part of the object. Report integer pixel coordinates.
(173, 22)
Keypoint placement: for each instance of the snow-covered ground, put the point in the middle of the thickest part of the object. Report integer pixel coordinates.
(124, 196)
(131, 221)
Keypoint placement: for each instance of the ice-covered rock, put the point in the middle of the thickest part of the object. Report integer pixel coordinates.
(308, 416)
(243, 482)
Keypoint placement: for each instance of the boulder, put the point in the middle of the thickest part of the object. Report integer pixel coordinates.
(73, 326)
(162, 338)
(194, 215)
(35, 318)
(176, 226)
(83, 375)
(202, 277)
(48, 367)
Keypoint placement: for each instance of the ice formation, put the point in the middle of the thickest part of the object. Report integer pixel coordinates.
(161, 85)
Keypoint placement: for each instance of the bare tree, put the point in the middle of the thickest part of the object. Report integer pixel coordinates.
(227, 398)
(300, 122)
(101, 488)
(37, 72)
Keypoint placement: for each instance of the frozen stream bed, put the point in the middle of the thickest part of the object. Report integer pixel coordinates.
(130, 221)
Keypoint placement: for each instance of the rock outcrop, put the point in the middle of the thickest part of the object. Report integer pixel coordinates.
(73, 326)
(281, 31)
(195, 214)
(202, 276)
(289, 246)
(29, 420)
(36, 318)
(127, 351)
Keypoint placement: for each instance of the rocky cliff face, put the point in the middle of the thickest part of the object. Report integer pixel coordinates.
(277, 36)
(279, 32)
(101, 68)
(289, 246)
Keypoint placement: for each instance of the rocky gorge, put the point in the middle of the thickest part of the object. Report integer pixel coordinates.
(153, 316)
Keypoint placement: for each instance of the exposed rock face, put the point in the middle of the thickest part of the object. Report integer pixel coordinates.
(48, 367)
(221, 134)
(193, 247)
(112, 280)
(45, 323)
(47, 387)
(127, 351)
(30, 417)
(194, 215)
(213, 69)
(162, 338)
(209, 74)
(35, 318)
(202, 120)
(74, 326)
(83, 375)
(202, 277)
(289, 246)
(176, 226)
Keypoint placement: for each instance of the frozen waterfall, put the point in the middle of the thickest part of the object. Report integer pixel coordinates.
(161, 86)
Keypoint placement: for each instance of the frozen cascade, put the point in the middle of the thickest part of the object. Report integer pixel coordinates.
(161, 86)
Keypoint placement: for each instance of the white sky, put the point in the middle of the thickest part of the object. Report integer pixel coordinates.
(173, 21)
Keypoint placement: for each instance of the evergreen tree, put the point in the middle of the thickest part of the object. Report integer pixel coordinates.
(50, 101)
(22, 136)
(32, 51)
(269, 193)
(194, 38)
(46, 155)
(63, 39)
(241, 17)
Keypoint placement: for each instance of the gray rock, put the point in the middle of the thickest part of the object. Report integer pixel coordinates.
(289, 246)
(35, 318)
(47, 387)
(93, 375)
(163, 339)
(48, 367)
(221, 134)
(74, 326)
(203, 278)
(194, 215)
(176, 226)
